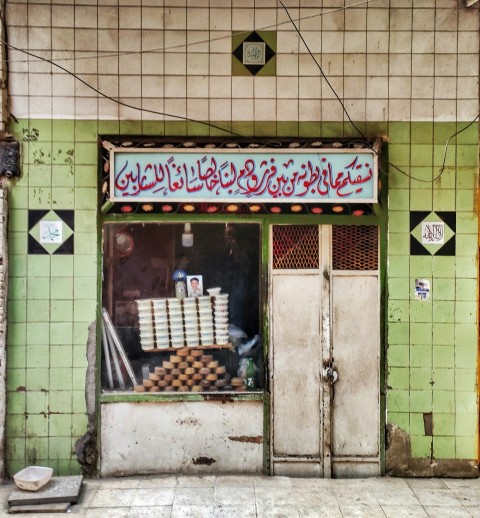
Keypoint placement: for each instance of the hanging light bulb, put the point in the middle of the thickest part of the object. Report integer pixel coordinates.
(187, 236)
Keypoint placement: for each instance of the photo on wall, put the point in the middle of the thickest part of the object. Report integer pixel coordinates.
(194, 285)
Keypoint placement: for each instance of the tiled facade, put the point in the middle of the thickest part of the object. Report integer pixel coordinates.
(407, 73)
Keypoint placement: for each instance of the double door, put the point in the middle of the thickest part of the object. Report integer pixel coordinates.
(324, 350)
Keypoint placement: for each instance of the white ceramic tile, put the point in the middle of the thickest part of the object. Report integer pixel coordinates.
(130, 17)
(446, 19)
(107, 18)
(220, 109)
(152, 40)
(422, 87)
(287, 65)
(63, 39)
(355, 64)
(377, 19)
(265, 110)
(108, 65)
(445, 87)
(422, 109)
(198, 19)
(63, 85)
(333, 21)
(309, 88)
(310, 19)
(175, 18)
(307, 66)
(129, 40)
(355, 108)
(220, 19)
(39, 38)
(85, 16)
(445, 64)
(399, 109)
(85, 39)
(265, 18)
(287, 42)
(423, 64)
(197, 64)
(287, 109)
(152, 18)
(242, 87)
(220, 42)
(38, 66)
(336, 85)
(130, 111)
(18, 106)
(63, 107)
(332, 42)
(130, 86)
(198, 42)
(446, 42)
(287, 87)
(401, 42)
(467, 88)
(220, 65)
(265, 87)
(468, 42)
(197, 86)
(107, 109)
(175, 64)
(467, 65)
(175, 41)
(63, 16)
(152, 86)
(220, 86)
(400, 65)
(355, 41)
(376, 110)
(377, 87)
(377, 42)
(108, 40)
(16, 14)
(38, 16)
(309, 110)
(86, 108)
(468, 20)
(82, 90)
(18, 83)
(331, 111)
(355, 19)
(175, 86)
(242, 19)
(152, 63)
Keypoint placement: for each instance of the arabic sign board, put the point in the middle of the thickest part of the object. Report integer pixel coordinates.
(244, 175)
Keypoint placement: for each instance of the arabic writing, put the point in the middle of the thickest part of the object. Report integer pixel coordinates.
(433, 233)
(262, 176)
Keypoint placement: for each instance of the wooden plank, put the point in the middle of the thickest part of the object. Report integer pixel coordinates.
(107, 355)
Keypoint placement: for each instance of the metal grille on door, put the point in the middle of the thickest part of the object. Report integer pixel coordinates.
(295, 247)
(355, 247)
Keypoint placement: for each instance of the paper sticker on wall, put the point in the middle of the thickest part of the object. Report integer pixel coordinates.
(51, 232)
(433, 232)
(422, 289)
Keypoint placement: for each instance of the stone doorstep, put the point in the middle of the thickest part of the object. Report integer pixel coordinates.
(58, 490)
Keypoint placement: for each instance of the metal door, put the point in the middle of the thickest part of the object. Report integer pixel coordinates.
(324, 350)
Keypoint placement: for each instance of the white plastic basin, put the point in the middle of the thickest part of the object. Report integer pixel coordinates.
(32, 478)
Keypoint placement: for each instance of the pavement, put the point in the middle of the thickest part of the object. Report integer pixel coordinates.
(268, 497)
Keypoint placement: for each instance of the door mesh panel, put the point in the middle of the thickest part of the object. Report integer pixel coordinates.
(355, 247)
(295, 247)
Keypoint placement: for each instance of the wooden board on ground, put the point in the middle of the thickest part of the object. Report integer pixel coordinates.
(58, 490)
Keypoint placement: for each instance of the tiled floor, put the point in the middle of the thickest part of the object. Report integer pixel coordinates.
(279, 497)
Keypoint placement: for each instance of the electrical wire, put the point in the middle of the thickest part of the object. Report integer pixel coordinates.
(357, 129)
(122, 103)
(209, 40)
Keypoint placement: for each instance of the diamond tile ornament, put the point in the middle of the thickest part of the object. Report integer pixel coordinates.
(50, 232)
(254, 53)
(422, 221)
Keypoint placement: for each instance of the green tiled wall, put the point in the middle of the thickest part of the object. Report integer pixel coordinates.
(432, 345)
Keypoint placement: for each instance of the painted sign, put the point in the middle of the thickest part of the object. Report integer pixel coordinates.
(308, 175)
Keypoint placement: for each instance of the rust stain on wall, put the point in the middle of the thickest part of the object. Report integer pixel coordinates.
(256, 439)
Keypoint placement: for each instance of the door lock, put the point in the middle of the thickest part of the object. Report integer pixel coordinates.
(330, 373)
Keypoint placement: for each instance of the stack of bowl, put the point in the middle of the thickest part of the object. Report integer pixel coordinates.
(190, 317)
(206, 319)
(145, 324)
(220, 311)
(160, 317)
(175, 320)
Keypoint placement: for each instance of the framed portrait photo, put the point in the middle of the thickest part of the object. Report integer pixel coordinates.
(194, 285)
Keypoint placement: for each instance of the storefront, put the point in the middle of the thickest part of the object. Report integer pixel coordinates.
(241, 305)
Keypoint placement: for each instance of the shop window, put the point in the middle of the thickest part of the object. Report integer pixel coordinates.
(183, 302)
(355, 247)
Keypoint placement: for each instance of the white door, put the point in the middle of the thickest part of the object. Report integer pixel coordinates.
(324, 350)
